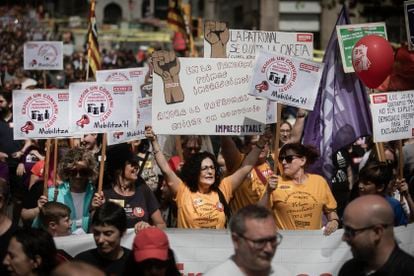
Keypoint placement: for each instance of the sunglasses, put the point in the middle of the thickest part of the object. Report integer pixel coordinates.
(83, 172)
(288, 158)
(350, 232)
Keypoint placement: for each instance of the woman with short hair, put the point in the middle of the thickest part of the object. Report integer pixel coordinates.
(297, 198)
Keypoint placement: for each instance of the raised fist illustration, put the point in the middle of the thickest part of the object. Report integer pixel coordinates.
(167, 66)
(217, 34)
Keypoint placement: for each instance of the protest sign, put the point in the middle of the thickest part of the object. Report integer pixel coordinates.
(409, 23)
(300, 253)
(102, 107)
(287, 80)
(40, 114)
(247, 43)
(204, 96)
(43, 55)
(392, 115)
(348, 36)
(141, 76)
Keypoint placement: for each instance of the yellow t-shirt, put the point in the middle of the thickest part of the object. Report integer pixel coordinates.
(198, 210)
(252, 188)
(300, 206)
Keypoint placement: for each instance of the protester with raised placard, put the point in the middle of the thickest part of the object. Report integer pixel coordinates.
(202, 197)
(129, 190)
(77, 168)
(297, 198)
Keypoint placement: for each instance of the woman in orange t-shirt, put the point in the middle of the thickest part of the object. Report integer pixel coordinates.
(197, 190)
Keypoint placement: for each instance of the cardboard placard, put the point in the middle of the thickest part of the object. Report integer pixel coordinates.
(43, 55)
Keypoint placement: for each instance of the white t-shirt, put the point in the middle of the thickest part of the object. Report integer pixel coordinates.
(78, 199)
(229, 267)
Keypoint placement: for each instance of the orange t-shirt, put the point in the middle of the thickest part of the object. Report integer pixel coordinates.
(252, 188)
(198, 210)
(300, 206)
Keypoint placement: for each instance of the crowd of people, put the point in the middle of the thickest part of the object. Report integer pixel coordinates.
(217, 183)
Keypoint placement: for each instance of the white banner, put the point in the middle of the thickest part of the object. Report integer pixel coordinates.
(301, 252)
(287, 80)
(247, 43)
(40, 114)
(102, 107)
(43, 55)
(144, 101)
(205, 97)
(392, 115)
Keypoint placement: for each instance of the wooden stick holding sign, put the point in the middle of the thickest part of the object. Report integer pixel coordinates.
(46, 168)
(400, 160)
(277, 139)
(102, 163)
(55, 161)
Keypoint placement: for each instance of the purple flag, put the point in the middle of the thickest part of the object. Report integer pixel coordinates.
(341, 112)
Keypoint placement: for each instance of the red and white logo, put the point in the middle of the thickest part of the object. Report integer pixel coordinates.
(139, 212)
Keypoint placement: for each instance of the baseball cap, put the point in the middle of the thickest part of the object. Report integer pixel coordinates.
(150, 243)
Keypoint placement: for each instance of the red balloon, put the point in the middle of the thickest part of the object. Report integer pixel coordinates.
(372, 59)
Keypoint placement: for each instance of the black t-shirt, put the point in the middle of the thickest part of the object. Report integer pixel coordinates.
(399, 263)
(138, 207)
(7, 143)
(111, 268)
(4, 244)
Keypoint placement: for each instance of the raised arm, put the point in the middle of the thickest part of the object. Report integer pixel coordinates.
(230, 153)
(271, 185)
(298, 126)
(172, 179)
(248, 163)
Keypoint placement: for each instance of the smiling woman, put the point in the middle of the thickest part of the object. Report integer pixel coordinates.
(129, 190)
(201, 195)
(299, 199)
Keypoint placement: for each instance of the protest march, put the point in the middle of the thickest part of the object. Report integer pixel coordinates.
(236, 152)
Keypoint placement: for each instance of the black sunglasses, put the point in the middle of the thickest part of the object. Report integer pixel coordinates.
(83, 172)
(288, 158)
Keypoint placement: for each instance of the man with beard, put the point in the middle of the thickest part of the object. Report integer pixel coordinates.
(368, 229)
(255, 239)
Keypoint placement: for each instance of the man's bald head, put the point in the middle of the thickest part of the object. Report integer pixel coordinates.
(369, 210)
(77, 269)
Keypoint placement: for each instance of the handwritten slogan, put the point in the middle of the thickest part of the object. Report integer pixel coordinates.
(205, 96)
(392, 115)
(40, 114)
(102, 107)
(247, 44)
(43, 55)
(141, 77)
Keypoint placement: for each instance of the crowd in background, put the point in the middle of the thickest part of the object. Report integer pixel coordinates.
(157, 188)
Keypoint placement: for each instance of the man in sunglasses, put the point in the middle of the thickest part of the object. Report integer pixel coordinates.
(368, 229)
(255, 239)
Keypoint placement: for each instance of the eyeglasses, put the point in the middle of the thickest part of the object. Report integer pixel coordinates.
(350, 232)
(261, 243)
(288, 158)
(205, 168)
(83, 172)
